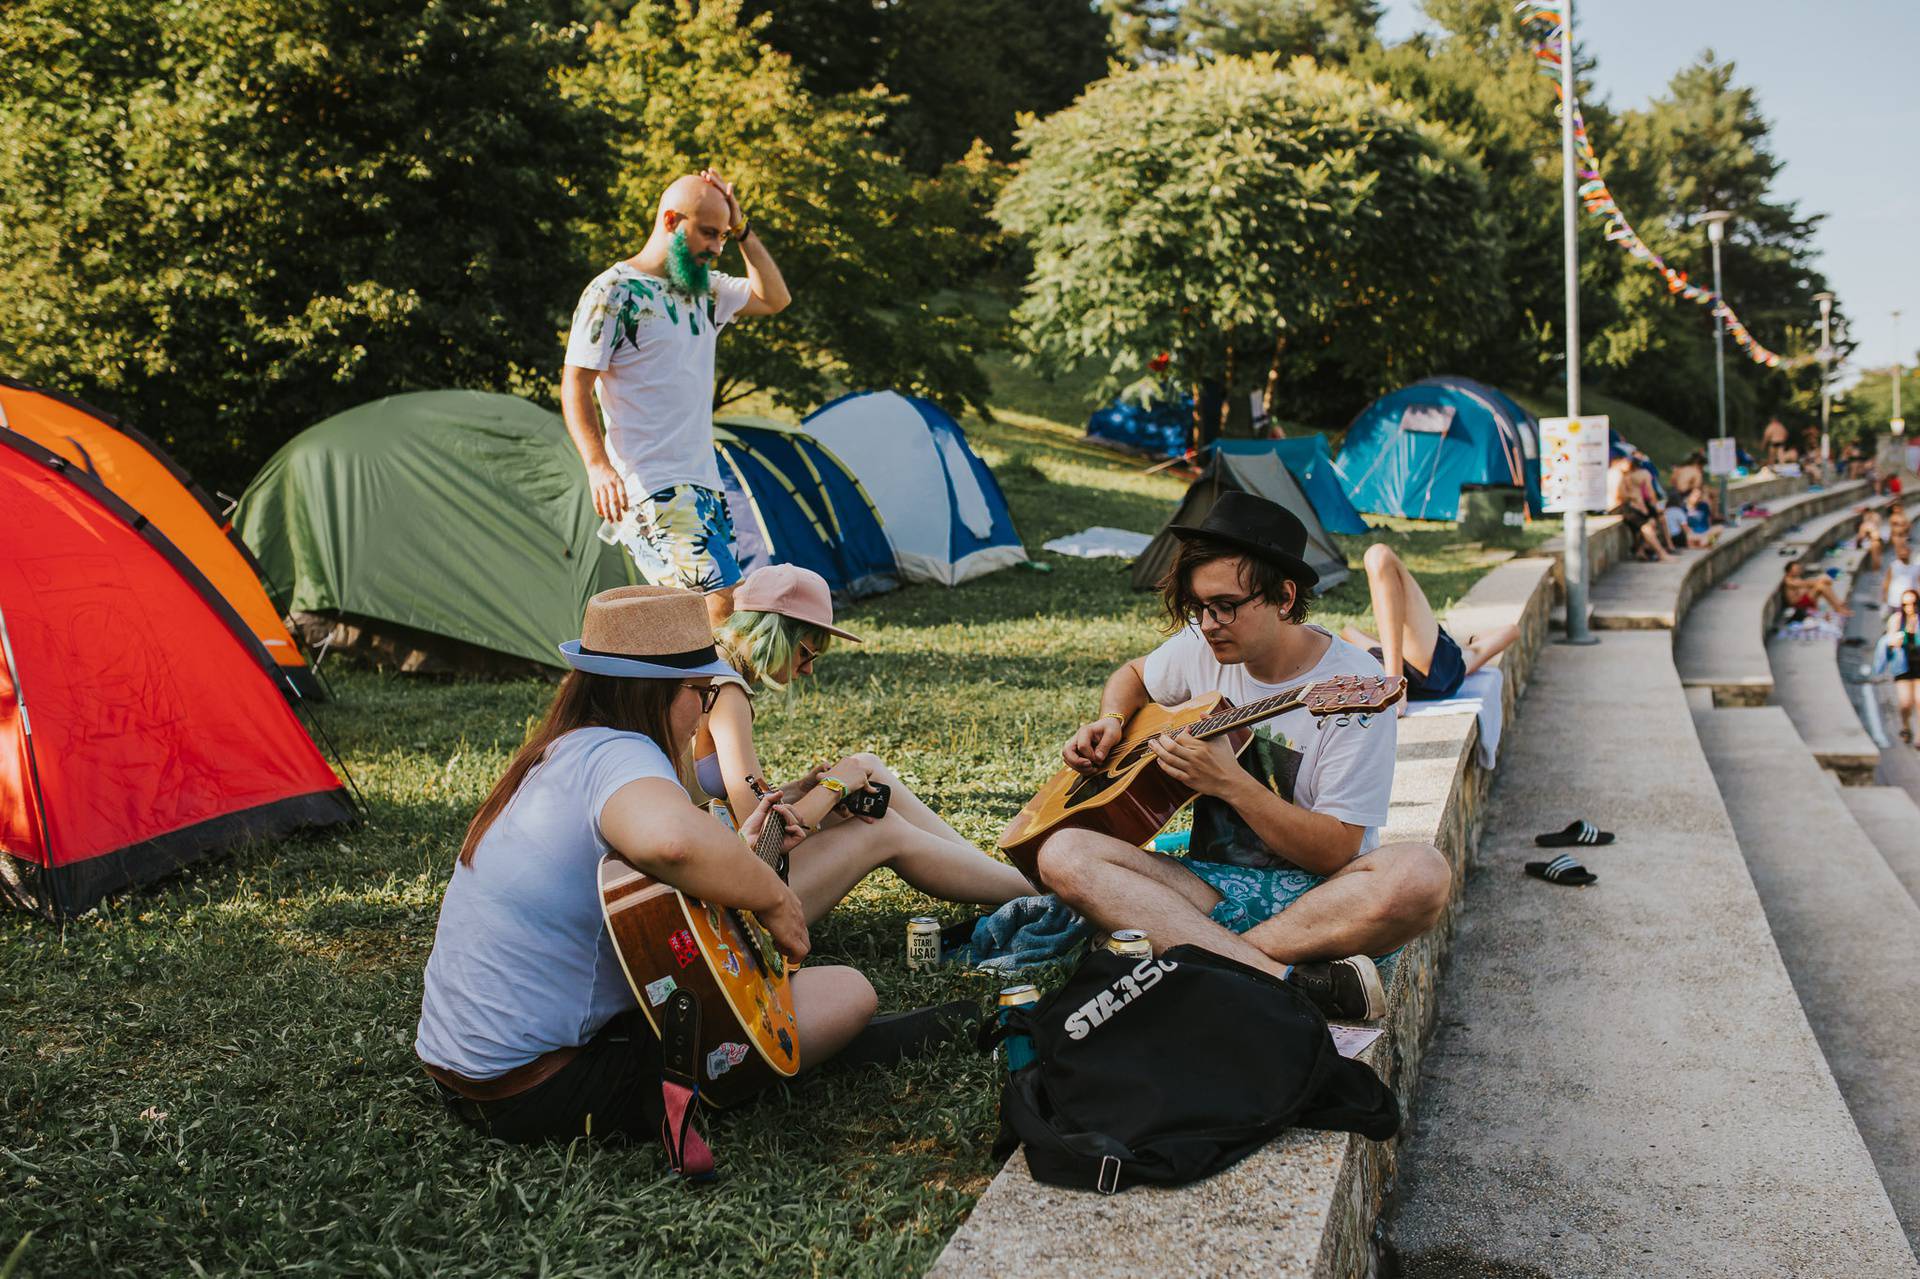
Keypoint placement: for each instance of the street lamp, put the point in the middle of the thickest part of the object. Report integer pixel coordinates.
(1826, 359)
(1899, 424)
(1716, 224)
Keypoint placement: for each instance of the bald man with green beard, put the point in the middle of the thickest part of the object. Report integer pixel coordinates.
(642, 343)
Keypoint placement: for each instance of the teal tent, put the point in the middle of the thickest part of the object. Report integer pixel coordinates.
(458, 514)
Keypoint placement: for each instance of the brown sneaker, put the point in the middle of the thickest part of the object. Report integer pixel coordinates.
(1344, 989)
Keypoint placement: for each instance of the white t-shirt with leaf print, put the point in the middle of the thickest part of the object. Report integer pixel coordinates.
(654, 348)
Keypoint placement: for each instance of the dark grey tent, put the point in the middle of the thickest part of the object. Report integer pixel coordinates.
(1262, 474)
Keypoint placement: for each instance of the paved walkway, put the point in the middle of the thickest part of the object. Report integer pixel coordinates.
(1622, 1082)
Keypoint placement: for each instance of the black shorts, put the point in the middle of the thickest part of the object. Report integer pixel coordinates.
(611, 1089)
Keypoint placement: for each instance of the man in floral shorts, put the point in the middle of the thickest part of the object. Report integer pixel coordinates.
(643, 343)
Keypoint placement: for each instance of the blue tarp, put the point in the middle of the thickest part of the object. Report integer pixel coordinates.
(1311, 464)
(1409, 451)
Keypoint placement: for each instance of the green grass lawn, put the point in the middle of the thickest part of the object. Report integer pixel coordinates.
(216, 1077)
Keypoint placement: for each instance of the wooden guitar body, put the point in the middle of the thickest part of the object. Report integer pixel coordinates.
(669, 941)
(1132, 799)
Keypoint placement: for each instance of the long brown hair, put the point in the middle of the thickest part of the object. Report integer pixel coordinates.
(584, 701)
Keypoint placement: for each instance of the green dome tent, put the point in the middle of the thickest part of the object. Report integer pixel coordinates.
(460, 514)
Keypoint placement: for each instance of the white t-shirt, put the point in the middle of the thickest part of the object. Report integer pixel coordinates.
(654, 349)
(521, 960)
(1344, 770)
(1901, 578)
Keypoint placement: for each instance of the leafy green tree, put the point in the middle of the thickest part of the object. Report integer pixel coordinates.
(864, 244)
(1328, 30)
(226, 219)
(1286, 230)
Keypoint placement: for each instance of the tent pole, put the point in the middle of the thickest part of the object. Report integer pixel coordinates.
(51, 880)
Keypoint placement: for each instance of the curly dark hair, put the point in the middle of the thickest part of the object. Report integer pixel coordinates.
(1265, 579)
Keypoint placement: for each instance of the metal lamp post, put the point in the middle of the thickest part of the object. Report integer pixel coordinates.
(1899, 424)
(1826, 359)
(1573, 521)
(1716, 224)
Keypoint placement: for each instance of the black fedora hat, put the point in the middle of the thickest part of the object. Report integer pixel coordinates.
(1259, 527)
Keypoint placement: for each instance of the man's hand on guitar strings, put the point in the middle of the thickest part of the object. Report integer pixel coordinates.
(786, 923)
(1210, 767)
(1088, 750)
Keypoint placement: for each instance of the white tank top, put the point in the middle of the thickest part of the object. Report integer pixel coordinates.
(1901, 578)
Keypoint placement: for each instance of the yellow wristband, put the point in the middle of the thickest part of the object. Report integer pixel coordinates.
(835, 785)
(1116, 716)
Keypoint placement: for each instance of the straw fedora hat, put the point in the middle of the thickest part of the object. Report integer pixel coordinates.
(645, 632)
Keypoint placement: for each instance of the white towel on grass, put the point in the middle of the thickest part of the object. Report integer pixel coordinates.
(1099, 542)
(1479, 695)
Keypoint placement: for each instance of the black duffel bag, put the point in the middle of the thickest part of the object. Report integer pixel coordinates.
(1168, 1070)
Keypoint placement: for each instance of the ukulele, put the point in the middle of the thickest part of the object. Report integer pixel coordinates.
(1132, 798)
(668, 941)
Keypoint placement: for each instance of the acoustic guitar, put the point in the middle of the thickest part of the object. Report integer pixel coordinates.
(1132, 798)
(668, 941)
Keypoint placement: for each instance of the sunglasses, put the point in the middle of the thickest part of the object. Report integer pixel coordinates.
(709, 694)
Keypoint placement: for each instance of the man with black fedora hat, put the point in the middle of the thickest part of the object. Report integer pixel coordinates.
(1284, 870)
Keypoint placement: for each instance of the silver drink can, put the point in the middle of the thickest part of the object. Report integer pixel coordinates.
(1130, 942)
(923, 942)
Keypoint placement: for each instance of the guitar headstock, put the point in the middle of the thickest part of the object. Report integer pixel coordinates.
(1355, 694)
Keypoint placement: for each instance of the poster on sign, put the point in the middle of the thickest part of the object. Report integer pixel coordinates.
(1722, 457)
(1573, 463)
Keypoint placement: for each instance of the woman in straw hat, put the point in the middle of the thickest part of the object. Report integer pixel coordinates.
(782, 622)
(528, 1024)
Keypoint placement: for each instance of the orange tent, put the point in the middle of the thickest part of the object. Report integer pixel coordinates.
(139, 472)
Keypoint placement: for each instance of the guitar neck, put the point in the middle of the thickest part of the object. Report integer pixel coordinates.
(1225, 721)
(772, 836)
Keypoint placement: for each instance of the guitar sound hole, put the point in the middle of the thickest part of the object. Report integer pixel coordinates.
(1087, 788)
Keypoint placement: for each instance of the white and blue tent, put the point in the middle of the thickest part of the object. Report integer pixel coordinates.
(944, 511)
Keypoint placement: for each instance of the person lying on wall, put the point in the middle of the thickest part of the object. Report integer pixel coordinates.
(781, 627)
(1412, 643)
(1284, 871)
(528, 1026)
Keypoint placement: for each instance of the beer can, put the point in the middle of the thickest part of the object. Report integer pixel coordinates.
(923, 942)
(1129, 942)
(1018, 1049)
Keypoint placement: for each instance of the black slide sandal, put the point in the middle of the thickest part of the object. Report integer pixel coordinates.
(1578, 832)
(1563, 870)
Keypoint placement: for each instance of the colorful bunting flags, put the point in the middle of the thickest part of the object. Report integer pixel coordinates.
(1599, 201)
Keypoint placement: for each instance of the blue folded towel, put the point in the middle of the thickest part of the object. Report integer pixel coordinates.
(1024, 932)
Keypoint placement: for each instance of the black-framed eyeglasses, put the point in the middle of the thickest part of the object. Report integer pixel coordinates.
(709, 694)
(807, 654)
(1223, 611)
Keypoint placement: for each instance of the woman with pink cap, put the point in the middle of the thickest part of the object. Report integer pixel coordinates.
(782, 622)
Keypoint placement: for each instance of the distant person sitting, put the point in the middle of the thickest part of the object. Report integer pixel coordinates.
(1867, 539)
(1411, 641)
(1691, 477)
(1805, 592)
(1624, 500)
(1680, 527)
(1650, 497)
(1773, 441)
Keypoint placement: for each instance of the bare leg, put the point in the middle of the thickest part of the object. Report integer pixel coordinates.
(827, 866)
(830, 1006)
(1484, 647)
(1368, 907)
(908, 804)
(1652, 539)
(719, 606)
(1903, 699)
(1408, 628)
(1116, 885)
(1359, 638)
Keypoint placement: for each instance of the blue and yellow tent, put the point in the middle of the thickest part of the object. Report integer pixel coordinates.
(794, 502)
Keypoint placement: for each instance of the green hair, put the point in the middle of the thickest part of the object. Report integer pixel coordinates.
(756, 644)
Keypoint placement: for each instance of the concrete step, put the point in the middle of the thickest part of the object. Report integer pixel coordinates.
(1891, 820)
(1722, 642)
(1847, 930)
(1807, 684)
(1635, 596)
(1621, 1081)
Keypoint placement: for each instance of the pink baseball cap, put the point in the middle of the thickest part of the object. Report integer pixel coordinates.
(791, 591)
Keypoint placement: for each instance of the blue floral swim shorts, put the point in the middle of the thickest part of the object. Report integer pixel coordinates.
(683, 537)
(1251, 895)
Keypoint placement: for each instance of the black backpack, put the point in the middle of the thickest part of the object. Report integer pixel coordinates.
(1168, 1070)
